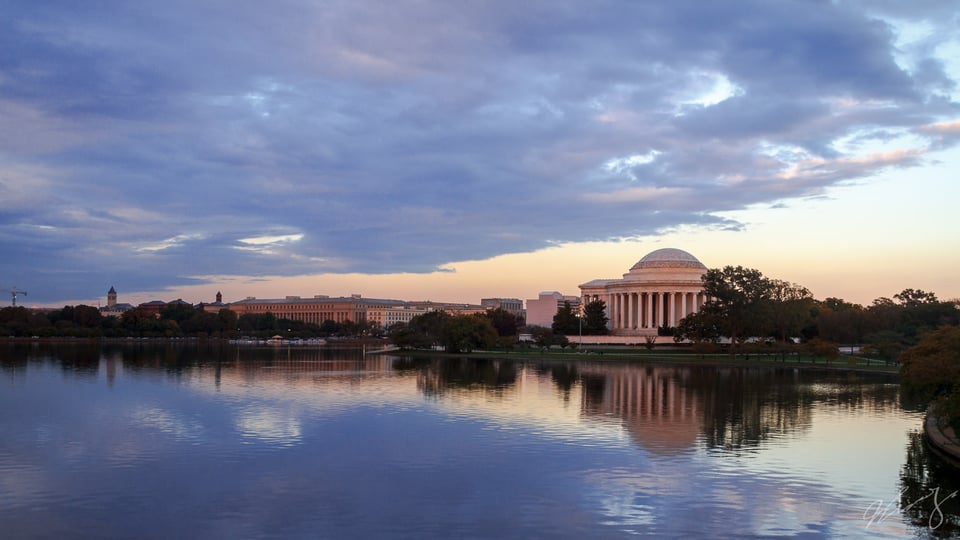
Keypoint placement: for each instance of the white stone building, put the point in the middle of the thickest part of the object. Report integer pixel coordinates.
(662, 288)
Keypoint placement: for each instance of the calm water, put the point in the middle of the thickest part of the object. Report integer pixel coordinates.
(216, 442)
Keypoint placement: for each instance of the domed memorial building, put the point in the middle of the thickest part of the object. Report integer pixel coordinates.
(662, 288)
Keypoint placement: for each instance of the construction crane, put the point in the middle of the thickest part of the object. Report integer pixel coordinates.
(14, 293)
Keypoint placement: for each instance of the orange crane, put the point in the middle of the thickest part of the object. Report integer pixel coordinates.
(14, 293)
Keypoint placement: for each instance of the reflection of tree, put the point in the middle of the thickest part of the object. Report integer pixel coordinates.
(743, 406)
(733, 407)
(594, 386)
(14, 359)
(564, 376)
(445, 374)
(926, 485)
(82, 359)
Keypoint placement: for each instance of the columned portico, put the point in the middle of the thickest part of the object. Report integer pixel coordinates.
(660, 290)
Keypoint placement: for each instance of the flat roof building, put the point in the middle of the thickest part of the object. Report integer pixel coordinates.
(540, 310)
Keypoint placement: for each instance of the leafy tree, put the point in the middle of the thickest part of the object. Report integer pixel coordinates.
(886, 344)
(464, 333)
(227, 319)
(87, 316)
(931, 370)
(177, 311)
(702, 326)
(15, 321)
(405, 337)
(840, 321)
(735, 309)
(823, 349)
(933, 365)
(503, 321)
(915, 297)
(268, 321)
(430, 325)
(595, 318)
(202, 323)
(542, 336)
(329, 327)
(566, 321)
(134, 317)
(788, 308)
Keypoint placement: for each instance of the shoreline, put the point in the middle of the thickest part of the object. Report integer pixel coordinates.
(942, 439)
(626, 355)
(652, 357)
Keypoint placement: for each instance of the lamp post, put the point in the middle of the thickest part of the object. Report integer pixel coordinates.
(580, 324)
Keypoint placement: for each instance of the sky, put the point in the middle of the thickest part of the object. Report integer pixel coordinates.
(451, 151)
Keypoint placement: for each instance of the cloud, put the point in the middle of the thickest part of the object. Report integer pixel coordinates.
(207, 138)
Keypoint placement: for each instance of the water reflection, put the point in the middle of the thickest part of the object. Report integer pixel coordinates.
(671, 409)
(930, 491)
(490, 377)
(322, 442)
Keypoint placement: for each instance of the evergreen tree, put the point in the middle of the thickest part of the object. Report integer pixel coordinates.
(566, 322)
(595, 318)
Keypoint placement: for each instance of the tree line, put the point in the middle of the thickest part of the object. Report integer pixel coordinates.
(495, 328)
(173, 321)
(745, 305)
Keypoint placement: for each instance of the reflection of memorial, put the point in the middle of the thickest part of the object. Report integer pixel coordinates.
(658, 410)
(667, 410)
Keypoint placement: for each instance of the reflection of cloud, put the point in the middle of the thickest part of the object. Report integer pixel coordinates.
(22, 482)
(168, 423)
(271, 426)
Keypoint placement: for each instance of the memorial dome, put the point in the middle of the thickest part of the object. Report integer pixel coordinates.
(668, 258)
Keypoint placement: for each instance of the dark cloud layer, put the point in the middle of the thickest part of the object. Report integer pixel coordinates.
(146, 144)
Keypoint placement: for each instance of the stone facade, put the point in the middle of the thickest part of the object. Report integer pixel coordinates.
(662, 288)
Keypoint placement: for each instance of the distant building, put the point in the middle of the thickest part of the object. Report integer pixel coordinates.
(215, 307)
(400, 314)
(320, 308)
(512, 305)
(540, 311)
(452, 308)
(154, 307)
(113, 308)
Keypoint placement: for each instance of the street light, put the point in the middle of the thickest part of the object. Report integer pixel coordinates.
(580, 324)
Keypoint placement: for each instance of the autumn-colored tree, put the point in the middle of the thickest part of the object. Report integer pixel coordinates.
(933, 365)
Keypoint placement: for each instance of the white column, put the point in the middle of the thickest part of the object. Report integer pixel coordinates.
(683, 305)
(672, 298)
(629, 308)
(659, 309)
(649, 321)
(620, 309)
